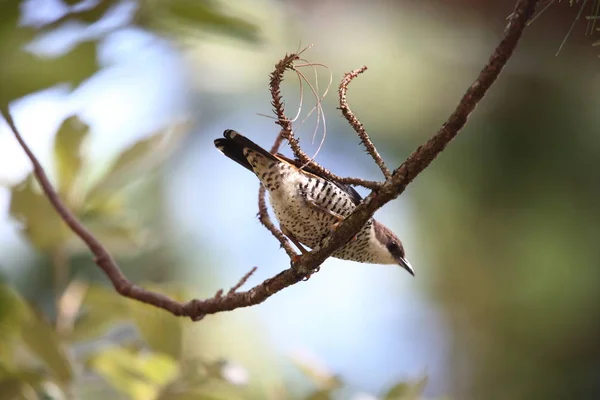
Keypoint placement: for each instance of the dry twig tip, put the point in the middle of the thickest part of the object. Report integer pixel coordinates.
(356, 124)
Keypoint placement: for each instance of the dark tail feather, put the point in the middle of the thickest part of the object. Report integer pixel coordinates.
(233, 146)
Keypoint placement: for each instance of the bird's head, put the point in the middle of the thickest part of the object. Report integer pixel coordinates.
(389, 248)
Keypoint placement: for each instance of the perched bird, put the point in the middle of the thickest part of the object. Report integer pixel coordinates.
(309, 206)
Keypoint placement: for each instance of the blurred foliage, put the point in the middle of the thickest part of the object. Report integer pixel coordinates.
(184, 15)
(65, 353)
(406, 391)
(99, 206)
(520, 227)
(23, 72)
(35, 353)
(519, 223)
(37, 360)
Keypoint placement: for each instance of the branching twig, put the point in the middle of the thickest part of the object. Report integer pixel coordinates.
(391, 189)
(357, 125)
(243, 280)
(276, 78)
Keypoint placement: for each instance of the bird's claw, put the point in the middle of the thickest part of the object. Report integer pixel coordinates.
(308, 275)
(334, 226)
(295, 260)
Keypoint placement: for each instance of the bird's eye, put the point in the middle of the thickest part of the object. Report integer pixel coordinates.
(395, 248)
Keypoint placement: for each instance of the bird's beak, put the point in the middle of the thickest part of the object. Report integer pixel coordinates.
(406, 265)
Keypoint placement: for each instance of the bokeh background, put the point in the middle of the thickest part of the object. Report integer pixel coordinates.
(121, 101)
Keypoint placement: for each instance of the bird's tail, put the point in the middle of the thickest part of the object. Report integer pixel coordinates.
(233, 145)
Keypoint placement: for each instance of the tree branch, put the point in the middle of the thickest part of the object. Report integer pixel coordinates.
(392, 188)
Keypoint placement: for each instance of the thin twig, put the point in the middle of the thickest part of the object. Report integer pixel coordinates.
(357, 125)
(536, 16)
(562, 44)
(318, 107)
(243, 280)
(416, 163)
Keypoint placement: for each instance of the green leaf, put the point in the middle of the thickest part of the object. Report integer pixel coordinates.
(13, 384)
(322, 378)
(398, 391)
(23, 73)
(113, 206)
(139, 375)
(178, 15)
(406, 390)
(40, 222)
(11, 316)
(206, 390)
(162, 331)
(72, 2)
(320, 395)
(112, 225)
(12, 39)
(196, 395)
(11, 388)
(67, 153)
(119, 236)
(43, 342)
(102, 307)
(87, 15)
(202, 394)
(144, 155)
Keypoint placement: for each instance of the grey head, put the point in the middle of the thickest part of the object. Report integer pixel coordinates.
(390, 250)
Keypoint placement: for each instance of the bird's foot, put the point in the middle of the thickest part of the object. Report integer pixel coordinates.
(309, 274)
(305, 273)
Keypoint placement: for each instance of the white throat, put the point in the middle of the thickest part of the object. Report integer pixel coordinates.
(381, 254)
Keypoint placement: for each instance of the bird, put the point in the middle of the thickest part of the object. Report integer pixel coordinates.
(309, 206)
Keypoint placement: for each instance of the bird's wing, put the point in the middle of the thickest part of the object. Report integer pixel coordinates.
(354, 195)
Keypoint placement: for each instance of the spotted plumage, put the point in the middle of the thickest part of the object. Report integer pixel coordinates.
(308, 206)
